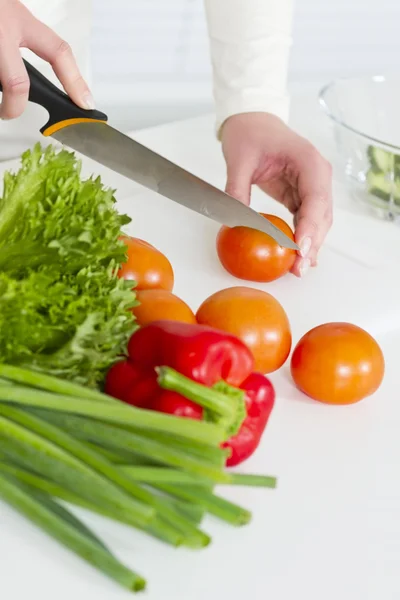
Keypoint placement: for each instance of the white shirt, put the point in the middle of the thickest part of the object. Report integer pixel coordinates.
(250, 42)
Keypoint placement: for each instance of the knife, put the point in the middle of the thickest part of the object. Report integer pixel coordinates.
(87, 132)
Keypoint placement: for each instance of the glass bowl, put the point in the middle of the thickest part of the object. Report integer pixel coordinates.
(366, 117)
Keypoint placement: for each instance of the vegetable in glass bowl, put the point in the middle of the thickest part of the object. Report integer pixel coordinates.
(366, 118)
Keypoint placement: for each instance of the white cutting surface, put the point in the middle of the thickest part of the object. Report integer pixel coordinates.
(332, 529)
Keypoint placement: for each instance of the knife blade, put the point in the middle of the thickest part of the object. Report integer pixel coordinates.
(88, 132)
(115, 150)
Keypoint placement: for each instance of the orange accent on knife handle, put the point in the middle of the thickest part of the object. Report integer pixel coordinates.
(61, 124)
(62, 111)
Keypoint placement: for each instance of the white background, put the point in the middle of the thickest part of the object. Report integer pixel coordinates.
(153, 54)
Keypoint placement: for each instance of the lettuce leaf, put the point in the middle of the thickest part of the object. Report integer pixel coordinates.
(63, 310)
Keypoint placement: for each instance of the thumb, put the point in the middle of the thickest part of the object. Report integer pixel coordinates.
(239, 180)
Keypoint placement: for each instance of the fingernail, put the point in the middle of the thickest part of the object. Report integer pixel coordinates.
(305, 246)
(88, 101)
(304, 266)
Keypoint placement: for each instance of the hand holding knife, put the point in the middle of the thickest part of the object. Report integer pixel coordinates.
(87, 132)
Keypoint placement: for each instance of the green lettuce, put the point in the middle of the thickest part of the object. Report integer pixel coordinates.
(63, 310)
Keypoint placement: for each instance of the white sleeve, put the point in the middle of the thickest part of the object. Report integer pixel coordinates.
(250, 43)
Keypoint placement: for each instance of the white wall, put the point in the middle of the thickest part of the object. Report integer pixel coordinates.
(345, 37)
(150, 38)
(154, 53)
(150, 60)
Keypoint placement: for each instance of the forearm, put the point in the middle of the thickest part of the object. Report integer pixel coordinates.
(250, 44)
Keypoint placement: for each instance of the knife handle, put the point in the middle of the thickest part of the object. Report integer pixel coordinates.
(62, 111)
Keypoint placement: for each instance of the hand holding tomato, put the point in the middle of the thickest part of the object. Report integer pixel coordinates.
(260, 149)
(252, 255)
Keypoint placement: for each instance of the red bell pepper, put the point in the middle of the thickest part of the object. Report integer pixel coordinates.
(133, 385)
(260, 399)
(173, 403)
(201, 353)
(168, 360)
(129, 383)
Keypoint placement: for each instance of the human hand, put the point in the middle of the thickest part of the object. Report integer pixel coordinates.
(20, 29)
(260, 149)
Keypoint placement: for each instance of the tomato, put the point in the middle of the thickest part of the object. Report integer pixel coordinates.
(337, 363)
(253, 255)
(256, 318)
(147, 266)
(158, 305)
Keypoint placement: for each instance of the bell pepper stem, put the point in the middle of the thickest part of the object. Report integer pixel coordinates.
(209, 398)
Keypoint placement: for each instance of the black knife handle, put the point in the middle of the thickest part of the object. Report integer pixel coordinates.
(60, 107)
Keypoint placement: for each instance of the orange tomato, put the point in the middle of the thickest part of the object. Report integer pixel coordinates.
(256, 318)
(337, 363)
(147, 266)
(253, 255)
(156, 305)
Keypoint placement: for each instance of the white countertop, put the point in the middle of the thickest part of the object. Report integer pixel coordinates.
(331, 531)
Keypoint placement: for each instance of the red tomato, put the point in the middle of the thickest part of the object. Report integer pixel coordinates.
(147, 266)
(256, 318)
(337, 363)
(156, 305)
(253, 255)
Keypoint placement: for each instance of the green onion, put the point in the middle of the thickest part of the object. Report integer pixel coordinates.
(192, 536)
(156, 528)
(193, 512)
(212, 454)
(119, 457)
(60, 442)
(40, 454)
(215, 505)
(50, 384)
(116, 412)
(248, 479)
(116, 437)
(166, 475)
(46, 514)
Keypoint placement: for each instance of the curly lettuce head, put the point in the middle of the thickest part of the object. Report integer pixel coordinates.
(63, 310)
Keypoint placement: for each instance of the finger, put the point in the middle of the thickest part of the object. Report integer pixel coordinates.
(239, 180)
(14, 80)
(48, 45)
(302, 265)
(314, 217)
